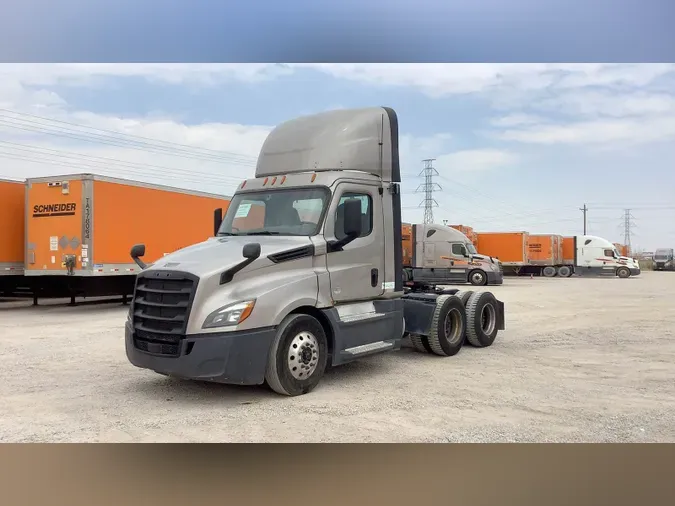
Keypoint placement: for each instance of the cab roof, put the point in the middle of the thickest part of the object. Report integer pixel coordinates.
(364, 139)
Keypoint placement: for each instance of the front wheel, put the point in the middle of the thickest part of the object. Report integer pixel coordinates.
(478, 278)
(623, 272)
(298, 356)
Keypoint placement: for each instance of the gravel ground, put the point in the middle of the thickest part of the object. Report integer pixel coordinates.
(582, 360)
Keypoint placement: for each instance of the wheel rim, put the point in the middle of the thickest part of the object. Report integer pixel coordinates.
(452, 326)
(303, 355)
(487, 319)
(477, 277)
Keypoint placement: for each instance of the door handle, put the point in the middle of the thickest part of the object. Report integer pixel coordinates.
(374, 275)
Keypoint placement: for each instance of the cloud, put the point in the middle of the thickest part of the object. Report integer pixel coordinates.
(473, 160)
(440, 80)
(88, 74)
(516, 120)
(619, 133)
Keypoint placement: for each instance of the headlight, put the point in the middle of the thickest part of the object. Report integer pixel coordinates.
(232, 314)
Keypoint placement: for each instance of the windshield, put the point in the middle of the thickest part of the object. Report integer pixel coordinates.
(471, 248)
(296, 211)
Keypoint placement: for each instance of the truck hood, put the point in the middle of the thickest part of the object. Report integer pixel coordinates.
(217, 254)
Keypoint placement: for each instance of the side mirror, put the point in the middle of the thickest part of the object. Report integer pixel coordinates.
(251, 251)
(353, 225)
(138, 251)
(217, 220)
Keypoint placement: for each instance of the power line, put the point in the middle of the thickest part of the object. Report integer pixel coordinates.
(122, 135)
(429, 187)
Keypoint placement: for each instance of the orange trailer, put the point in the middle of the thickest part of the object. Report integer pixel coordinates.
(545, 250)
(623, 250)
(408, 245)
(511, 248)
(12, 230)
(568, 249)
(80, 229)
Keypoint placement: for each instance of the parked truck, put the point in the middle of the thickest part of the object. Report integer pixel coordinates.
(663, 259)
(552, 255)
(277, 301)
(441, 255)
(12, 229)
(79, 228)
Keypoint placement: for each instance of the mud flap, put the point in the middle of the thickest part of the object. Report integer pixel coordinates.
(501, 319)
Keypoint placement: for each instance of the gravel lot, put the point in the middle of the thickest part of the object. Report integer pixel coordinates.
(582, 360)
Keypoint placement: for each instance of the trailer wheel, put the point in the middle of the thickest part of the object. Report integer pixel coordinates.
(564, 271)
(549, 271)
(623, 272)
(478, 278)
(464, 296)
(481, 319)
(298, 356)
(448, 326)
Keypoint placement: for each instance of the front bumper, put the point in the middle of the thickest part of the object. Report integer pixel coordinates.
(495, 278)
(634, 271)
(230, 357)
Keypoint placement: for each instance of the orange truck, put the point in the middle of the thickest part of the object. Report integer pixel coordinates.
(12, 227)
(79, 229)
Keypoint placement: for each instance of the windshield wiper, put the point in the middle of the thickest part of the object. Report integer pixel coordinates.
(226, 233)
(264, 232)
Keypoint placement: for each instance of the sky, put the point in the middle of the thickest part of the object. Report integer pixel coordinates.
(517, 147)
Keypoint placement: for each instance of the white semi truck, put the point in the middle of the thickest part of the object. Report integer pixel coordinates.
(314, 279)
(440, 255)
(663, 259)
(597, 256)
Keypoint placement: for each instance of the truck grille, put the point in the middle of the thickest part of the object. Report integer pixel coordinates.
(160, 310)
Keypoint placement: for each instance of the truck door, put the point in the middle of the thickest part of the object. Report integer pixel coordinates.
(459, 271)
(356, 272)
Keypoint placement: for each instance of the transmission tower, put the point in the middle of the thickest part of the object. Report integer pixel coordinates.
(429, 187)
(627, 226)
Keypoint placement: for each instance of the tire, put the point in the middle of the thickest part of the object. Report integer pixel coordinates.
(549, 271)
(564, 271)
(448, 326)
(421, 344)
(478, 278)
(464, 296)
(297, 331)
(623, 272)
(481, 319)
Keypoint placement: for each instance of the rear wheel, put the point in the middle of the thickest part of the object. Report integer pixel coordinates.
(464, 296)
(481, 319)
(298, 356)
(448, 326)
(421, 344)
(564, 271)
(623, 272)
(478, 278)
(549, 271)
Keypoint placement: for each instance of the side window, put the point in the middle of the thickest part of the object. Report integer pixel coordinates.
(366, 214)
(458, 249)
(430, 233)
(609, 253)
